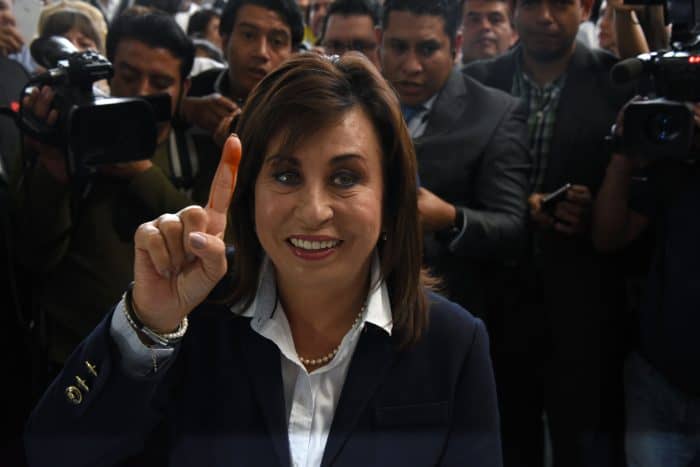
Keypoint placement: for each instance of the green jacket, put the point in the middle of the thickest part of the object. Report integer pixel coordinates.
(80, 255)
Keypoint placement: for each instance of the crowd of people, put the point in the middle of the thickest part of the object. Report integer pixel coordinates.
(399, 161)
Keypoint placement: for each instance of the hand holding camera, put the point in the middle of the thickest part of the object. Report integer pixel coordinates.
(38, 102)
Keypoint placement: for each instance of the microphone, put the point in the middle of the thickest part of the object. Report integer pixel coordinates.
(627, 70)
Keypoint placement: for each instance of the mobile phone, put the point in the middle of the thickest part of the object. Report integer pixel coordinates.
(551, 200)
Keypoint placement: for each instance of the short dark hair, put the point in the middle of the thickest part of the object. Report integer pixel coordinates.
(287, 9)
(310, 91)
(352, 8)
(157, 30)
(62, 21)
(199, 21)
(448, 10)
(509, 3)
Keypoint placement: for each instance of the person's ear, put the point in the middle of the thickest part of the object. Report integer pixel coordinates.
(586, 8)
(457, 45)
(379, 35)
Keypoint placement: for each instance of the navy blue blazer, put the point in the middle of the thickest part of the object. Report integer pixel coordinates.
(220, 401)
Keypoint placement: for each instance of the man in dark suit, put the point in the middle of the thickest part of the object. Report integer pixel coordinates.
(470, 143)
(559, 322)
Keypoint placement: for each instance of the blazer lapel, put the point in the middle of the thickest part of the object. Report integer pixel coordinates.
(372, 357)
(574, 95)
(263, 361)
(448, 106)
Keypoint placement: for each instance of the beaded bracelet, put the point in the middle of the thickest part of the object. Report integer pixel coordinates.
(165, 340)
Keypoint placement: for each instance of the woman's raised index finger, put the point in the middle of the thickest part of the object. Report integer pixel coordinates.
(223, 184)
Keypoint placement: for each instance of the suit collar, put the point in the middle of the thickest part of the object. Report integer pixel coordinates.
(368, 367)
(373, 356)
(448, 106)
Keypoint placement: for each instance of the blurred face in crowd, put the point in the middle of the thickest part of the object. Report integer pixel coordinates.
(304, 7)
(487, 29)
(318, 207)
(211, 33)
(318, 9)
(352, 32)
(606, 29)
(417, 55)
(140, 70)
(548, 28)
(259, 42)
(80, 40)
(5, 7)
(9, 36)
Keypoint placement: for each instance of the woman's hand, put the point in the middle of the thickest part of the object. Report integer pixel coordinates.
(179, 258)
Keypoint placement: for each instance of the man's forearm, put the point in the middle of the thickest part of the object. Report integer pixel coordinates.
(630, 35)
(611, 212)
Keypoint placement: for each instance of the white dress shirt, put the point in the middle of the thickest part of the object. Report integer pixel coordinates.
(310, 398)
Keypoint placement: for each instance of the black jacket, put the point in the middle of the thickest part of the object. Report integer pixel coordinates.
(221, 402)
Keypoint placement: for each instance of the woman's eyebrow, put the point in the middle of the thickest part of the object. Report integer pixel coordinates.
(339, 159)
(275, 159)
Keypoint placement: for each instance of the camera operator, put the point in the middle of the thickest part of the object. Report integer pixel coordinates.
(77, 236)
(662, 382)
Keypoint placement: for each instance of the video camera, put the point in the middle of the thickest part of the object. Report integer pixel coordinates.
(92, 130)
(662, 126)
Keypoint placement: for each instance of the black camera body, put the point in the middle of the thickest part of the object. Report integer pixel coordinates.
(91, 130)
(661, 127)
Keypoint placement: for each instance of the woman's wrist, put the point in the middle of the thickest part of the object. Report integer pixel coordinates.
(162, 335)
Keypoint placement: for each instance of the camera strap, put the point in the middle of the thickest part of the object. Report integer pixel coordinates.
(183, 160)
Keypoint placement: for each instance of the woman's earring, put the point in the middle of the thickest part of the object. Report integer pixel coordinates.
(384, 235)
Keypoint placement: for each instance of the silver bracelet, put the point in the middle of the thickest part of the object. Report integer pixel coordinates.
(165, 340)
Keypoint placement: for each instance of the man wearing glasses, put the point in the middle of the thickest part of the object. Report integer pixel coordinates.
(352, 25)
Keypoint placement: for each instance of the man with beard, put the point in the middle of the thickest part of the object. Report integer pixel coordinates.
(559, 315)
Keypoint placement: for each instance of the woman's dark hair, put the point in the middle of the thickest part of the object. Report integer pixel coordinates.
(62, 21)
(287, 9)
(155, 29)
(200, 19)
(312, 92)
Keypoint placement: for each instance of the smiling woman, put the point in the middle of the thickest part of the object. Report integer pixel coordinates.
(321, 351)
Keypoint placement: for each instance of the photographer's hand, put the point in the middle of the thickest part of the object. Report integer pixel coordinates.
(179, 258)
(572, 215)
(224, 128)
(538, 215)
(50, 158)
(208, 112)
(11, 40)
(125, 170)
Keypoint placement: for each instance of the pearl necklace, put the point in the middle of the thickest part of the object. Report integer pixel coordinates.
(330, 355)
